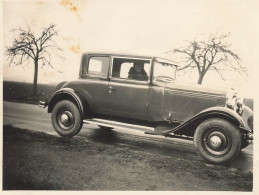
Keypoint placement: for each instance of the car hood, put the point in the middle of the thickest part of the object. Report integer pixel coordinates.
(183, 101)
(195, 88)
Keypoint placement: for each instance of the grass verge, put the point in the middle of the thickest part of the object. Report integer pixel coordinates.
(38, 161)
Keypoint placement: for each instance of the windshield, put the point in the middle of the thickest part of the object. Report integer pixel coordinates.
(164, 71)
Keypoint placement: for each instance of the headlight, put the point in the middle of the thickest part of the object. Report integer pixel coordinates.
(234, 102)
(239, 106)
(231, 99)
(250, 123)
(240, 101)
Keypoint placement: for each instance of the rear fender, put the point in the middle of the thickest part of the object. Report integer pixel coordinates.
(68, 94)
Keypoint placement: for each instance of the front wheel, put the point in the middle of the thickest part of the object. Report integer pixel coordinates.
(66, 118)
(217, 141)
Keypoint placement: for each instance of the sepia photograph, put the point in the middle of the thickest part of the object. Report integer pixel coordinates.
(127, 95)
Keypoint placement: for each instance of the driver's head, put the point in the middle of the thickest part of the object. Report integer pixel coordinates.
(138, 66)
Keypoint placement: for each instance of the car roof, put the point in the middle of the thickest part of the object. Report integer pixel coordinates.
(130, 55)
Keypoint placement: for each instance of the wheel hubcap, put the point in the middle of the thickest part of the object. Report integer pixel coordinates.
(215, 141)
(65, 119)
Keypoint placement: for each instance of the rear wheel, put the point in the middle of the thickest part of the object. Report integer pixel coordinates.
(66, 118)
(217, 141)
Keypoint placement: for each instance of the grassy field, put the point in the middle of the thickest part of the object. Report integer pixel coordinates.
(22, 92)
(38, 161)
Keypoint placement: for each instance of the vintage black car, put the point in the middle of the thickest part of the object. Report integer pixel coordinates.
(140, 92)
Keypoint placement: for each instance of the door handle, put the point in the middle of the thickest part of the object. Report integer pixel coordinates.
(110, 89)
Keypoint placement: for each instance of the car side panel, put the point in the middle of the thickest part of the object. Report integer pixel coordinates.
(128, 98)
(182, 104)
(94, 91)
(155, 105)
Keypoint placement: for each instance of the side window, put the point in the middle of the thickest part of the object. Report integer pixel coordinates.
(133, 69)
(164, 70)
(125, 67)
(98, 66)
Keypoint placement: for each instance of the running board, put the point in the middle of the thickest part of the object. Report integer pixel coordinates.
(146, 129)
(169, 133)
(116, 124)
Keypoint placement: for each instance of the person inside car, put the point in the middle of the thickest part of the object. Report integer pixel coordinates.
(137, 72)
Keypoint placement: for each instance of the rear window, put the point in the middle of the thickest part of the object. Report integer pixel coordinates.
(98, 66)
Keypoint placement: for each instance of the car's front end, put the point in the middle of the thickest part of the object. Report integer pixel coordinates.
(236, 103)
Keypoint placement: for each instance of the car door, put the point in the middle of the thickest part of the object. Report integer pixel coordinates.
(128, 97)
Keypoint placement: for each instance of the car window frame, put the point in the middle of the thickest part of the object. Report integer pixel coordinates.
(95, 77)
(162, 60)
(127, 80)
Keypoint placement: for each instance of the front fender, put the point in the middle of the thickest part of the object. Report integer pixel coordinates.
(245, 120)
(189, 126)
(224, 111)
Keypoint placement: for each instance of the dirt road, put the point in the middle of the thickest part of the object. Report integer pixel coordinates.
(131, 159)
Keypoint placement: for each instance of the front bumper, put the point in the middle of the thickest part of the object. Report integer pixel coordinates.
(43, 104)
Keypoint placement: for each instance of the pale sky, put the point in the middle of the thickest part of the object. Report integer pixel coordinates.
(136, 26)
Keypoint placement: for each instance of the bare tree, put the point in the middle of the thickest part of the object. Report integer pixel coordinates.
(211, 54)
(26, 46)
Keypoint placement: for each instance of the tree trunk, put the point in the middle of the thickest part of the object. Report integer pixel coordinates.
(200, 78)
(35, 79)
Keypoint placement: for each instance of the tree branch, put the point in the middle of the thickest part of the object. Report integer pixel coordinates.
(219, 73)
(26, 46)
(210, 53)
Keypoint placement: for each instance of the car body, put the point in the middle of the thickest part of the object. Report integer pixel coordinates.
(142, 90)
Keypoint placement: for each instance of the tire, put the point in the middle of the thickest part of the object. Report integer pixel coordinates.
(217, 141)
(66, 118)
